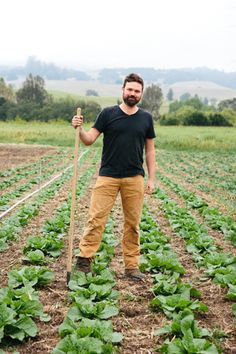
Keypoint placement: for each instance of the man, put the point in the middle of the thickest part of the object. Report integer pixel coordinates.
(127, 130)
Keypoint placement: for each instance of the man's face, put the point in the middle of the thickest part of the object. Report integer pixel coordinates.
(132, 93)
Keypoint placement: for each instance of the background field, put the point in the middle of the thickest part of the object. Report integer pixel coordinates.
(170, 138)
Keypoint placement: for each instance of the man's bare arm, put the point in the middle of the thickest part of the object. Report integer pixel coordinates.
(151, 164)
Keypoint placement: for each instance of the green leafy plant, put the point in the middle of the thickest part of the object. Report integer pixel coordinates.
(32, 276)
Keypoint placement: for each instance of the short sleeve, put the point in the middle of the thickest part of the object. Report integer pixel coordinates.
(150, 131)
(100, 121)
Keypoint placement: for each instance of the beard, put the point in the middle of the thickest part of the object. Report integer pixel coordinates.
(131, 101)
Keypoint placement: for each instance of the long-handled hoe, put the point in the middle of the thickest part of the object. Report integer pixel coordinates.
(73, 200)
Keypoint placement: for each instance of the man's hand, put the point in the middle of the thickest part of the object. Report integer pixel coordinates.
(77, 121)
(149, 186)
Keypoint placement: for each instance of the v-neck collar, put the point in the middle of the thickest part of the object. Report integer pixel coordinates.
(127, 114)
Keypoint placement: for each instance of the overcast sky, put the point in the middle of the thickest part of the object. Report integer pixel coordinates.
(124, 33)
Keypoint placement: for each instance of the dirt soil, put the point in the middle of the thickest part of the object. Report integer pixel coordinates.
(15, 155)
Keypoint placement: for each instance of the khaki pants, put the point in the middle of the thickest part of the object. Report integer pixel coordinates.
(103, 197)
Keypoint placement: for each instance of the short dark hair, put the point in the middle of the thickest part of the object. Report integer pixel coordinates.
(133, 77)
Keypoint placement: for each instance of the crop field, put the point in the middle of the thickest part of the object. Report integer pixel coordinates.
(187, 302)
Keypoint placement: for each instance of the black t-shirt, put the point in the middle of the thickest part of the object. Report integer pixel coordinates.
(123, 141)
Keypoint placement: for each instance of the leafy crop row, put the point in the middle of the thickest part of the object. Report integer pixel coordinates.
(214, 218)
(208, 172)
(50, 243)
(20, 305)
(27, 170)
(178, 300)
(219, 266)
(86, 327)
(12, 226)
(23, 281)
(7, 197)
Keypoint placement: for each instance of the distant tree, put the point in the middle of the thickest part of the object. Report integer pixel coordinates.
(230, 115)
(196, 118)
(3, 111)
(152, 100)
(6, 91)
(194, 102)
(184, 112)
(170, 95)
(33, 91)
(231, 103)
(205, 101)
(218, 120)
(174, 106)
(170, 119)
(91, 92)
(185, 96)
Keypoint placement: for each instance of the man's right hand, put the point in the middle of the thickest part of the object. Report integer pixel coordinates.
(77, 121)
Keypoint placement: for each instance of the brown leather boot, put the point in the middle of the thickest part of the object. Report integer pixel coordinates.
(134, 274)
(83, 264)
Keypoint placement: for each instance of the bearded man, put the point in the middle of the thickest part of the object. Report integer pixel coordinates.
(127, 131)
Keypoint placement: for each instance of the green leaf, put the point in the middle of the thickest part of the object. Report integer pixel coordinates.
(78, 279)
(117, 337)
(163, 330)
(30, 276)
(174, 347)
(187, 323)
(15, 332)
(7, 315)
(68, 326)
(234, 309)
(27, 325)
(108, 311)
(45, 317)
(74, 345)
(232, 292)
(35, 257)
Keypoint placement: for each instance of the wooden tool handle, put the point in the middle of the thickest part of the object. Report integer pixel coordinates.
(73, 200)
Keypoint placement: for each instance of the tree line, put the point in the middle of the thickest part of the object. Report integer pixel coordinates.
(33, 102)
(196, 111)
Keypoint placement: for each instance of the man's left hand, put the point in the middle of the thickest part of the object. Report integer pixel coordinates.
(149, 186)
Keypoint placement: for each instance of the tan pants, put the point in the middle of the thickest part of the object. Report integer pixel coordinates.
(103, 197)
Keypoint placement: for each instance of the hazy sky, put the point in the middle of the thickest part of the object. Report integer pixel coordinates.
(124, 33)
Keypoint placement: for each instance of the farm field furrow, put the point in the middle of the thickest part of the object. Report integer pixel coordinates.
(214, 196)
(11, 226)
(213, 199)
(211, 294)
(10, 256)
(48, 293)
(188, 296)
(135, 319)
(203, 176)
(33, 176)
(204, 253)
(215, 221)
(206, 167)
